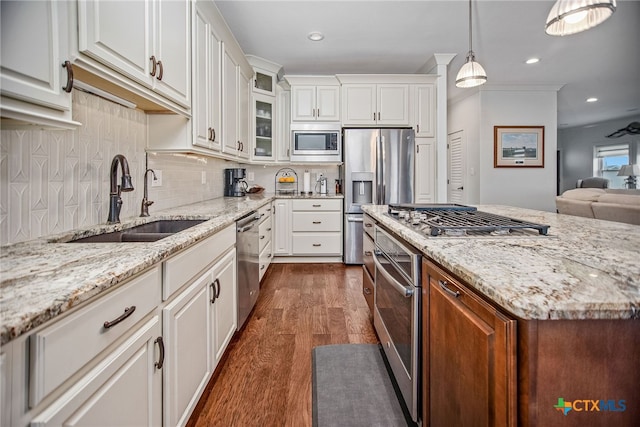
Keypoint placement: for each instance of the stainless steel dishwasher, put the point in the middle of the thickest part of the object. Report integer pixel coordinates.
(247, 247)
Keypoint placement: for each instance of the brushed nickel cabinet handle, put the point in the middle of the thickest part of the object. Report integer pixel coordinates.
(368, 253)
(317, 222)
(154, 65)
(317, 244)
(368, 225)
(160, 362)
(262, 237)
(262, 267)
(69, 85)
(128, 311)
(367, 291)
(378, 115)
(443, 284)
(317, 206)
(213, 134)
(418, 128)
(161, 73)
(269, 229)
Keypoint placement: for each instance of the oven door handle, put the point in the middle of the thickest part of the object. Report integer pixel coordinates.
(405, 291)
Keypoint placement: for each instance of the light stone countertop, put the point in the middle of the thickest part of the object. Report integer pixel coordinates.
(43, 278)
(583, 269)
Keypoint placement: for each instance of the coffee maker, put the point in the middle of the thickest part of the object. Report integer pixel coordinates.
(234, 183)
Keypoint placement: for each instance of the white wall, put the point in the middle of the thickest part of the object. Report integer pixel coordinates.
(53, 180)
(577, 144)
(476, 115)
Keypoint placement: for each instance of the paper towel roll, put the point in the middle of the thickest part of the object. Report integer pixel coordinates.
(307, 182)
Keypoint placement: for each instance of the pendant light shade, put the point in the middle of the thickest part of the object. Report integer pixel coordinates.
(471, 74)
(572, 16)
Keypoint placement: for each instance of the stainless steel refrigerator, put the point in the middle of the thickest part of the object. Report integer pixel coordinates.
(378, 169)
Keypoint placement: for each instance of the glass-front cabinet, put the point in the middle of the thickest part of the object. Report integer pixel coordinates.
(264, 127)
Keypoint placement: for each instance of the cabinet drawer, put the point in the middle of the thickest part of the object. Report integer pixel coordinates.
(66, 346)
(182, 267)
(368, 225)
(317, 243)
(264, 211)
(317, 221)
(317, 205)
(367, 253)
(265, 259)
(264, 233)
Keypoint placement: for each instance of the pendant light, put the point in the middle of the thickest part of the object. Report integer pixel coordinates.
(471, 74)
(572, 16)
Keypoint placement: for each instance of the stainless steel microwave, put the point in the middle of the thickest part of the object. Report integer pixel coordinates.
(316, 142)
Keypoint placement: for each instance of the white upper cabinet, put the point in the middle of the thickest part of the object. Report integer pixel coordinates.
(206, 110)
(229, 104)
(34, 81)
(375, 104)
(423, 106)
(244, 83)
(314, 98)
(425, 170)
(146, 41)
(315, 103)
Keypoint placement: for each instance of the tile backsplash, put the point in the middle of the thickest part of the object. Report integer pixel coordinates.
(57, 180)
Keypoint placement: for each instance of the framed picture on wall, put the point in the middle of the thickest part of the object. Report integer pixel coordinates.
(518, 146)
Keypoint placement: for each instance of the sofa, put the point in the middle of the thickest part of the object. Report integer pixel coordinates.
(608, 204)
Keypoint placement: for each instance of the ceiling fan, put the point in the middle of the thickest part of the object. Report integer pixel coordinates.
(632, 128)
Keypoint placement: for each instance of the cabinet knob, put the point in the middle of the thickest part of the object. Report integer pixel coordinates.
(67, 88)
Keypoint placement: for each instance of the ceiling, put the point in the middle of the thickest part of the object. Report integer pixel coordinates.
(400, 36)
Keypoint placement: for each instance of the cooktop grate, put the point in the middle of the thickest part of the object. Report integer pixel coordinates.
(453, 220)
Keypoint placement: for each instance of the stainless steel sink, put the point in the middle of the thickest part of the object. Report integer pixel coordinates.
(149, 232)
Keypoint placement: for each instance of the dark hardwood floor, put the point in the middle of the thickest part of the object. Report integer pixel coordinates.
(265, 377)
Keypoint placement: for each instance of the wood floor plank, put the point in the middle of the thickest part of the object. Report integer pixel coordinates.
(265, 377)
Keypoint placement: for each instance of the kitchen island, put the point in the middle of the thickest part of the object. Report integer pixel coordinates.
(530, 331)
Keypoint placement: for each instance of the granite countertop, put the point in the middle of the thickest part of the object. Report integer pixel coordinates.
(43, 278)
(309, 196)
(583, 269)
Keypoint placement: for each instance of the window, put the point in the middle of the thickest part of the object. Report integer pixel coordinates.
(607, 162)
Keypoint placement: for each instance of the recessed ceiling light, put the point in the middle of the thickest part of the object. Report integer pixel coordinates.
(315, 36)
(592, 99)
(532, 60)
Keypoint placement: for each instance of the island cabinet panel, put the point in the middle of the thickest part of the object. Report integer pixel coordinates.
(469, 355)
(589, 366)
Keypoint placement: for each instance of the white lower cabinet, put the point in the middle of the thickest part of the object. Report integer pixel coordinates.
(140, 355)
(282, 225)
(186, 324)
(124, 389)
(223, 299)
(308, 227)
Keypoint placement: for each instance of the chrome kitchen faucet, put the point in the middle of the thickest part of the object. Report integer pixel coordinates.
(115, 201)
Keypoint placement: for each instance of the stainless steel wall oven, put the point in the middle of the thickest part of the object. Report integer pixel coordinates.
(397, 311)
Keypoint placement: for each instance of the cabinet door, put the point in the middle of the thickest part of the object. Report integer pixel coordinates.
(264, 116)
(328, 103)
(358, 104)
(229, 104)
(116, 33)
(171, 35)
(244, 89)
(187, 333)
(423, 106)
(223, 299)
(425, 170)
(33, 47)
(472, 357)
(393, 104)
(303, 103)
(125, 389)
(282, 226)
(283, 133)
(206, 73)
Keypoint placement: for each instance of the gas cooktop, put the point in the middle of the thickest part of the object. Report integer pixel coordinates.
(459, 220)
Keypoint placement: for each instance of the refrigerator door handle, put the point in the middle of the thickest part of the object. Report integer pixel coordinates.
(379, 171)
